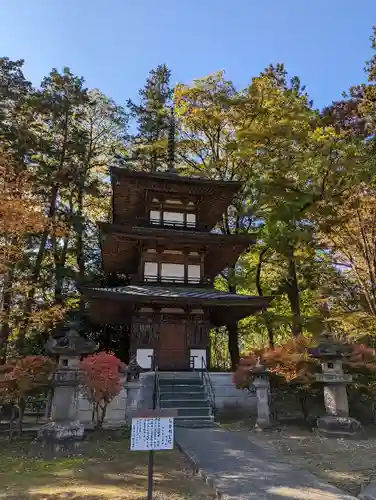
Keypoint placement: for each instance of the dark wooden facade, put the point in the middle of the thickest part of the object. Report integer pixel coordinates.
(160, 248)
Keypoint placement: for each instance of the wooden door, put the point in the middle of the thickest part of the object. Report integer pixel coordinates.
(172, 347)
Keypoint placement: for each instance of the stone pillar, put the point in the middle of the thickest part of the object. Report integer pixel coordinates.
(262, 386)
(337, 421)
(335, 394)
(64, 432)
(335, 400)
(116, 410)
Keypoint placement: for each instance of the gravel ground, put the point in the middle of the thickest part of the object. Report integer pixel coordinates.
(345, 463)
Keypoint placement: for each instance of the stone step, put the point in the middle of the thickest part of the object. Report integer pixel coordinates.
(183, 395)
(184, 403)
(177, 375)
(170, 396)
(180, 389)
(193, 412)
(180, 381)
(195, 422)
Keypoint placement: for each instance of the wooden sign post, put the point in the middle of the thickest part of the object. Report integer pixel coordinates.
(152, 430)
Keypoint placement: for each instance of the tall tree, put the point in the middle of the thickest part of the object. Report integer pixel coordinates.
(21, 215)
(59, 105)
(105, 126)
(268, 137)
(207, 113)
(348, 234)
(151, 115)
(17, 138)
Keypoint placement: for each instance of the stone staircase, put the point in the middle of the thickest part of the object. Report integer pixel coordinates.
(185, 393)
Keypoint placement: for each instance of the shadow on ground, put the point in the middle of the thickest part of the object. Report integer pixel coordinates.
(244, 467)
(347, 464)
(107, 470)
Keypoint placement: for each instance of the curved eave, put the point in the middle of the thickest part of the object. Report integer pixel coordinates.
(119, 254)
(120, 305)
(184, 235)
(174, 178)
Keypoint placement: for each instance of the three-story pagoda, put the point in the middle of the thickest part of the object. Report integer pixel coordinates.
(161, 243)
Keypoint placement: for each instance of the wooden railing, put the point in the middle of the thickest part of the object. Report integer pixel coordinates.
(169, 224)
(173, 280)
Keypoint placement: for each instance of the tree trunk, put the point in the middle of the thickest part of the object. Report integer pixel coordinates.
(269, 328)
(232, 329)
(60, 261)
(80, 238)
(233, 344)
(293, 293)
(6, 306)
(103, 416)
(265, 316)
(36, 272)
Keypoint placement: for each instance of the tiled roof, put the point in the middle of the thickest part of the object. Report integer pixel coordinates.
(175, 177)
(174, 292)
(155, 231)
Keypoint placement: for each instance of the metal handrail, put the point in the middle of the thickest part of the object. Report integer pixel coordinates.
(156, 390)
(207, 383)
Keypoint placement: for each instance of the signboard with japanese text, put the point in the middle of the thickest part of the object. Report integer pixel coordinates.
(152, 430)
(152, 434)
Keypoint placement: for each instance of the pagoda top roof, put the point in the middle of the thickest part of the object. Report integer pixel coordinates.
(211, 197)
(175, 177)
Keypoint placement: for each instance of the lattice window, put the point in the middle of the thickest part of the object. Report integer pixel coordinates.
(198, 334)
(144, 334)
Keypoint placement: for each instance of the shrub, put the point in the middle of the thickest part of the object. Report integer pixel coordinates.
(24, 377)
(288, 363)
(101, 374)
(290, 369)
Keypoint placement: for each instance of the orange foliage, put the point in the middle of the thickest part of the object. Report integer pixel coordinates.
(362, 358)
(48, 317)
(25, 376)
(291, 363)
(288, 363)
(20, 212)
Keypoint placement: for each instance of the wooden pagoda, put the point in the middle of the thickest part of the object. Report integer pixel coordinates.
(161, 245)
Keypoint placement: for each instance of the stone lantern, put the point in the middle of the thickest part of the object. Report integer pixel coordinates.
(262, 386)
(331, 355)
(63, 432)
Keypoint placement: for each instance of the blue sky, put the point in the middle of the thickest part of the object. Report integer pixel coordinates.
(114, 43)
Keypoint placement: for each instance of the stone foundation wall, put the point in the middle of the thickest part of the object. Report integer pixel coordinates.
(229, 398)
(138, 395)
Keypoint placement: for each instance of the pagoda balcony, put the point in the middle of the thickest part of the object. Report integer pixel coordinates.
(174, 280)
(166, 224)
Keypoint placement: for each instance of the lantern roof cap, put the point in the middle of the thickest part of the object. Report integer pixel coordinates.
(70, 343)
(330, 348)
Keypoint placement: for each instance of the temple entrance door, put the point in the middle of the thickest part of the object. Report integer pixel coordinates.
(172, 346)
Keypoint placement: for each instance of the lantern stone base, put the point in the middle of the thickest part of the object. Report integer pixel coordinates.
(59, 439)
(336, 426)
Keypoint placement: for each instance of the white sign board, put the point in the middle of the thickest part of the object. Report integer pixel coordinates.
(155, 433)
